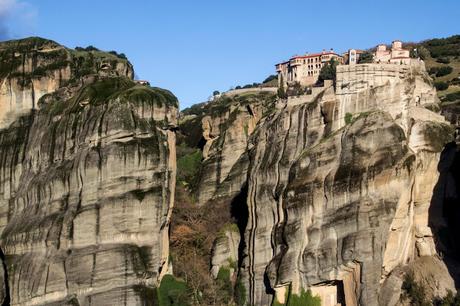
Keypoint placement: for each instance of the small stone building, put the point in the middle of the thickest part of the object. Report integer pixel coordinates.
(305, 69)
(396, 55)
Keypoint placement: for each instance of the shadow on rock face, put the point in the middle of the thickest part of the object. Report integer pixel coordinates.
(4, 290)
(444, 212)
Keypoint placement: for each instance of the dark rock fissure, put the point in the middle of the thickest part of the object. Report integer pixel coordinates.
(239, 212)
(444, 211)
(6, 287)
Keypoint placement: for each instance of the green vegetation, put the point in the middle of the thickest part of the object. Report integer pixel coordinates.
(443, 47)
(304, 299)
(348, 118)
(119, 55)
(443, 60)
(102, 91)
(228, 227)
(89, 48)
(366, 57)
(454, 96)
(440, 85)
(172, 292)
(438, 134)
(417, 296)
(449, 300)
(188, 167)
(423, 52)
(440, 71)
(414, 292)
(281, 90)
(328, 72)
(240, 293)
(270, 78)
(224, 284)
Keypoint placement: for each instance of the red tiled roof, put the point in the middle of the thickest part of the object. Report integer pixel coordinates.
(309, 56)
(315, 55)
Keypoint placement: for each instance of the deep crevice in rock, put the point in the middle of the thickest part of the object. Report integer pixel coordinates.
(444, 211)
(239, 211)
(6, 287)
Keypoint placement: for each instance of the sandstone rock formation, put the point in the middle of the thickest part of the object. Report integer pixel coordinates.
(341, 191)
(87, 183)
(225, 126)
(328, 197)
(33, 67)
(225, 251)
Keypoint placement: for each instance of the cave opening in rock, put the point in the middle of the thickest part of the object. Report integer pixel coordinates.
(239, 212)
(444, 211)
(6, 297)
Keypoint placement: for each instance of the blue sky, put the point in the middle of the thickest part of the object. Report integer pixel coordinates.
(195, 47)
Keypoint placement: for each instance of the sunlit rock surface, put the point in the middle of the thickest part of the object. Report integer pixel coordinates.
(87, 186)
(333, 196)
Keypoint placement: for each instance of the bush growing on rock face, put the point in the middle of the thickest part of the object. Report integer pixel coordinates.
(225, 284)
(328, 72)
(440, 85)
(240, 293)
(348, 118)
(366, 57)
(452, 96)
(443, 60)
(270, 78)
(413, 291)
(304, 299)
(440, 71)
(172, 292)
(441, 47)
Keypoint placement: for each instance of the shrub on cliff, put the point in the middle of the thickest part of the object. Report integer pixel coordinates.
(270, 78)
(452, 96)
(441, 47)
(225, 285)
(413, 291)
(172, 292)
(365, 58)
(440, 71)
(328, 72)
(440, 85)
(305, 298)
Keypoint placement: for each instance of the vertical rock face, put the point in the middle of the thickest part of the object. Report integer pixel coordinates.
(87, 188)
(335, 204)
(226, 125)
(33, 67)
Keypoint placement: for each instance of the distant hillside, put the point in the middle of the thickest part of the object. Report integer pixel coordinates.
(442, 60)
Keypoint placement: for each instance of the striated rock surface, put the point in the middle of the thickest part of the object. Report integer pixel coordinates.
(225, 127)
(336, 204)
(225, 250)
(87, 188)
(33, 67)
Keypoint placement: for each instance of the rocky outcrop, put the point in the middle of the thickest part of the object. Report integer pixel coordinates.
(225, 127)
(340, 202)
(225, 250)
(33, 67)
(87, 187)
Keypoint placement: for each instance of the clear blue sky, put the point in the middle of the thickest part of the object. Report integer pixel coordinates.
(193, 47)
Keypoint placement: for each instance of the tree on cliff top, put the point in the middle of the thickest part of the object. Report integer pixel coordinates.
(365, 58)
(328, 71)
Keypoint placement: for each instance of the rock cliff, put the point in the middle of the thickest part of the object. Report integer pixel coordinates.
(339, 192)
(87, 180)
(335, 188)
(33, 67)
